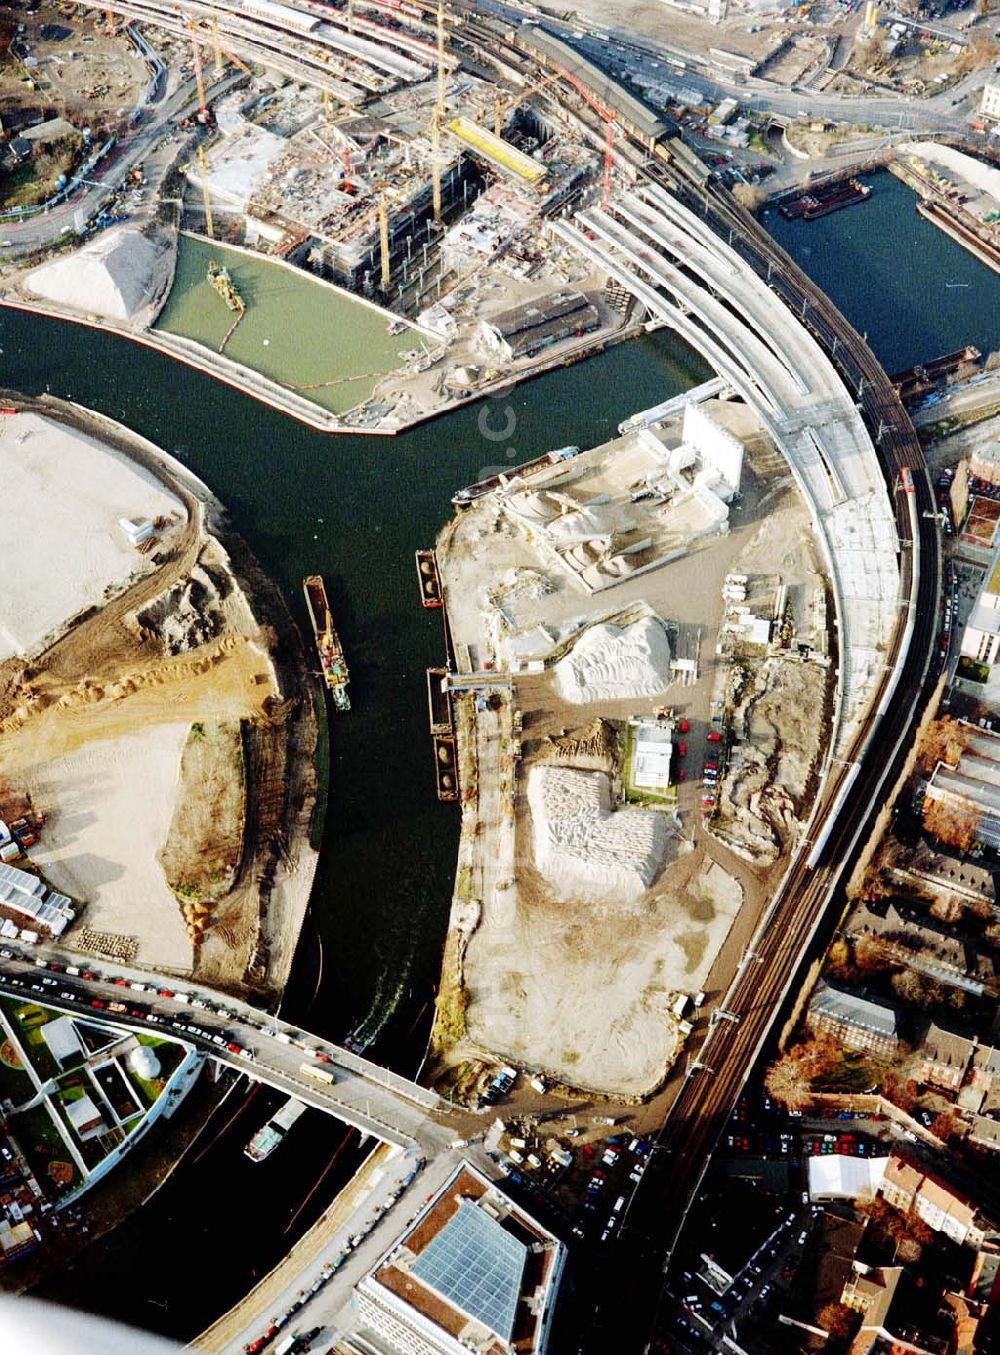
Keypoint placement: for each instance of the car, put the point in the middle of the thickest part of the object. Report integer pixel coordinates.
(120, 982)
(610, 1157)
(36, 987)
(49, 983)
(56, 967)
(683, 727)
(88, 974)
(7, 954)
(66, 995)
(682, 750)
(233, 1048)
(681, 774)
(714, 736)
(98, 1002)
(323, 1058)
(217, 1039)
(163, 992)
(588, 1149)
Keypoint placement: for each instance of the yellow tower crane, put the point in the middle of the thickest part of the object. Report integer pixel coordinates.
(209, 227)
(220, 65)
(438, 115)
(199, 77)
(383, 239)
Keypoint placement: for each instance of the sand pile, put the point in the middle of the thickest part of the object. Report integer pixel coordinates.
(614, 663)
(115, 275)
(581, 846)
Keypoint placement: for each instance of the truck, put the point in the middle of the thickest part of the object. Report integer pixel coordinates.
(317, 1074)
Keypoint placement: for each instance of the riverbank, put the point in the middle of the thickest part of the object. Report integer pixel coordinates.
(148, 666)
(437, 376)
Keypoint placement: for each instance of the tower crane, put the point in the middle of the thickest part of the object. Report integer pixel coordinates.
(199, 74)
(209, 228)
(438, 115)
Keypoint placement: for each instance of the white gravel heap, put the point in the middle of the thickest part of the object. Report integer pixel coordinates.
(582, 846)
(114, 275)
(614, 663)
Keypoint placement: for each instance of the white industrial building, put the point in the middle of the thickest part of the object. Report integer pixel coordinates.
(981, 637)
(990, 104)
(26, 894)
(86, 1120)
(652, 748)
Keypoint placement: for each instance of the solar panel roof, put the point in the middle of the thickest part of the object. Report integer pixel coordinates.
(477, 1266)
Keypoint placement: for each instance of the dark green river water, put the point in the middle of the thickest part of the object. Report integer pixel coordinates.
(354, 509)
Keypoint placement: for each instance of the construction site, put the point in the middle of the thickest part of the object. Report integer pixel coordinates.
(640, 640)
(145, 684)
(391, 169)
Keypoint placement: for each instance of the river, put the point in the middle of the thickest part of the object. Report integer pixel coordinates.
(896, 277)
(355, 509)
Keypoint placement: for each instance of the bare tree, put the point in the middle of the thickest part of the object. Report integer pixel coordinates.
(749, 195)
(943, 740)
(954, 825)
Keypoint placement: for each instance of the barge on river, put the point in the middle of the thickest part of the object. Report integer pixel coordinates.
(428, 579)
(821, 201)
(268, 1137)
(328, 646)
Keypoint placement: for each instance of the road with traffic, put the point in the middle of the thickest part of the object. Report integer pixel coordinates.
(28, 236)
(360, 1093)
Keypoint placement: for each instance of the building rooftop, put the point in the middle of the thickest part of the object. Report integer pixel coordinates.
(947, 1048)
(838, 1176)
(473, 1265)
(476, 1265)
(836, 1004)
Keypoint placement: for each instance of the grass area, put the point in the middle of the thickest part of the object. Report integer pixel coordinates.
(973, 671)
(15, 1084)
(43, 1144)
(328, 346)
(170, 1055)
(644, 797)
(852, 1073)
(70, 1094)
(27, 1019)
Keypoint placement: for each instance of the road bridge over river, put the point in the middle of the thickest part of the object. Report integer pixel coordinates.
(362, 1094)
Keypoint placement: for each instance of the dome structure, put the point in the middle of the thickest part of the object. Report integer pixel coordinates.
(144, 1063)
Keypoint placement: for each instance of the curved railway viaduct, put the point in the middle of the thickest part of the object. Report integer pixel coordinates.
(689, 277)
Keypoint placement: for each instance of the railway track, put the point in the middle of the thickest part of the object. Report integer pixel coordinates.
(631, 1313)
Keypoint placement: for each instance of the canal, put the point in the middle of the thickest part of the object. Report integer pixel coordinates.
(353, 509)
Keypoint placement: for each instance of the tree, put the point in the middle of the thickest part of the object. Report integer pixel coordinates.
(943, 740)
(788, 1082)
(790, 1078)
(945, 1126)
(749, 195)
(838, 1320)
(902, 1093)
(952, 823)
